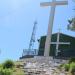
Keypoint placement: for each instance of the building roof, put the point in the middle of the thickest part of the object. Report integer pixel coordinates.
(65, 35)
(62, 34)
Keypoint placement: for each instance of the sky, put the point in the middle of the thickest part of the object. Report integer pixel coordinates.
(16, 23)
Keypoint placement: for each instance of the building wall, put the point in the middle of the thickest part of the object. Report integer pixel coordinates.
(65, 50)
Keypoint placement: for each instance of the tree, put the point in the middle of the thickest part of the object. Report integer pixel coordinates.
(71, 25)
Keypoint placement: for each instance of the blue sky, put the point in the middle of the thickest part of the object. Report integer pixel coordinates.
(16, 23)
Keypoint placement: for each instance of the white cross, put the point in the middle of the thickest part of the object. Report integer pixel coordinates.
(59, 43)
(53, 4)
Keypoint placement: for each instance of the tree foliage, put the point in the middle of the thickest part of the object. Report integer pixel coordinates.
(71, 22)
(71, 25)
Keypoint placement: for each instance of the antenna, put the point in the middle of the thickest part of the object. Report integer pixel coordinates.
(32, 40)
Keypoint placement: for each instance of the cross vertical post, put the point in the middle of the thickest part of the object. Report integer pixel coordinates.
(50, 25)
(57, 45)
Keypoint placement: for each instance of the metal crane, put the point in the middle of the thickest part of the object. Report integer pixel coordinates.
(31, 50)
(32, 40)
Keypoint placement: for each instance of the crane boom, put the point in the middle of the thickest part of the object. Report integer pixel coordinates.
(32, 40)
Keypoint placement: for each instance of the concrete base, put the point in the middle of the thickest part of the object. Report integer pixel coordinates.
(39, 59)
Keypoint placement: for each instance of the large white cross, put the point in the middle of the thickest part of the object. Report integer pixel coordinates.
(59, 43)
(53, 4)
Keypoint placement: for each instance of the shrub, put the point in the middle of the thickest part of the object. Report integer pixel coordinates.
(8, 64)
(67, 67)
(72, 67)
(62, 65)
(5, 72)
(71, 60)
(1, 66)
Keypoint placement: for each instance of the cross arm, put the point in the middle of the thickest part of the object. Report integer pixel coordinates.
(46, 4)
(66, 43)
(63, 43)
(54, 3)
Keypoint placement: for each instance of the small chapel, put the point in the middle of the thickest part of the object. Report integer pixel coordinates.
(66, 46)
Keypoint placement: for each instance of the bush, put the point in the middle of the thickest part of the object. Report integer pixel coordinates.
(67, 67)
(72, 67)
(5, 72)
(71, 60)
(62, 65)
(8, 64)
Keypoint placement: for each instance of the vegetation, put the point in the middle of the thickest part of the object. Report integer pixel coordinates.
(71, 60)
(67, 67)
(8, 64)
(70, 66)
(71, 25)
(9, 68)
(5, 71)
